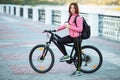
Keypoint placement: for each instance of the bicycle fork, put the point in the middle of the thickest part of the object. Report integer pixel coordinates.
(44, 51)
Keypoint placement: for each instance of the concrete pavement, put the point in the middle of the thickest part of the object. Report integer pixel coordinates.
(18, 36)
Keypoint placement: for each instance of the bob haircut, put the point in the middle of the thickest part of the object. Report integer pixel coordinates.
(76, 8)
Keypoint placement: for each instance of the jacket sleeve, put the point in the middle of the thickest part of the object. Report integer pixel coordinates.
(79, 27)
(61, 27)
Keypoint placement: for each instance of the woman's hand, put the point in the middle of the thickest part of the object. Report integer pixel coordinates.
(56, 30)
(67, 25)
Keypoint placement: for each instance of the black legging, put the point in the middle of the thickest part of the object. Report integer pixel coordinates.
(77, 44)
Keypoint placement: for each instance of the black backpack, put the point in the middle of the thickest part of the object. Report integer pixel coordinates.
(85, 34)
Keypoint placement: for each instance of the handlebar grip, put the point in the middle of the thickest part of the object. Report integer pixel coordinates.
(49, 31)
(53, 30)
(45, 31)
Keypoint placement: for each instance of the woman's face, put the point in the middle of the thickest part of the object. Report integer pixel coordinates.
(72, 9)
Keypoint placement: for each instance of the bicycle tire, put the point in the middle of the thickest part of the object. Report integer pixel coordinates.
(99, 55)
(31, 61)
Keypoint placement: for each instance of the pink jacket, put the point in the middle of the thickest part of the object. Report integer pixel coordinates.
(74, 31)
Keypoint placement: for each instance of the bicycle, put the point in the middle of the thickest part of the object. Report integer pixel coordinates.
(41, 57)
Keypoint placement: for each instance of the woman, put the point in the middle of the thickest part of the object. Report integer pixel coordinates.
(73, 37)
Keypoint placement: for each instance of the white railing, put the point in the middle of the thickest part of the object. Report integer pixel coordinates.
(110, 27)
(103, 23)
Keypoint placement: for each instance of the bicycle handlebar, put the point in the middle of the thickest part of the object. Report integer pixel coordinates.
(49, 31)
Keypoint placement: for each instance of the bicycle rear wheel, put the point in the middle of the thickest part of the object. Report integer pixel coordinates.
(91, 59)
(39, 63)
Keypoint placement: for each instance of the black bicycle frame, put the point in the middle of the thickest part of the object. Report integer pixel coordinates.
(54, 38)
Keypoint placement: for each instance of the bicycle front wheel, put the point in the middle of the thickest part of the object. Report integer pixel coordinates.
(39, 63)
(91, 59)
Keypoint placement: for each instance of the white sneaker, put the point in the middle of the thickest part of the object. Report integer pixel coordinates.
(76, 73)
(64, 58)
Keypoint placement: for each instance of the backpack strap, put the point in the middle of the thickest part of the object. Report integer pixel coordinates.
(69, 18)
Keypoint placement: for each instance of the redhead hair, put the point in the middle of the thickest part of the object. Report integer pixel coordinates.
(76, 8)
